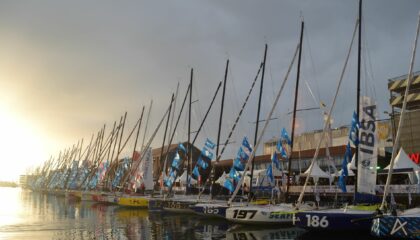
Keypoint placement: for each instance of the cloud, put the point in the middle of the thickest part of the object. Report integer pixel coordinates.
(73, 66)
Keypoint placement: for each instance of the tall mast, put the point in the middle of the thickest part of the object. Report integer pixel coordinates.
(292, 136)
(164, 134)
(174, 130)
(220, 127)
(359, 61)
(258, 116)
(189, 154)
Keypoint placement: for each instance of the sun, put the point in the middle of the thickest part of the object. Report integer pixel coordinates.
(21, 147)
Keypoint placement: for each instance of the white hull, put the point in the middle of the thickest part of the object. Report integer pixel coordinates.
(282, 214)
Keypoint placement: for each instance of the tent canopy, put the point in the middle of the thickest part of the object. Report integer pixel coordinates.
(402, 161)
(316, 172)
(183, 179)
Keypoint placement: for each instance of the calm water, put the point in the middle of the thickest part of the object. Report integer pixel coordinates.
(28, 215)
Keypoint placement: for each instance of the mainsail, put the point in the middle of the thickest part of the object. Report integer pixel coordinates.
(368, 153)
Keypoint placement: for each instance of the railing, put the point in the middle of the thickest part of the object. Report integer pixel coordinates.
(414, 188)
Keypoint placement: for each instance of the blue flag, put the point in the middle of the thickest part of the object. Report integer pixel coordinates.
(205, 152)
(176, 162)
(355, 125)
(285, 136)
(342, 183)
(195, 172)
(246, 144)
(269, 173)
(203, 164)
(182, 148)
(229, 185)
(209, 144)
(238, 165)
(275, 160)
(234, 175)
(346, 160)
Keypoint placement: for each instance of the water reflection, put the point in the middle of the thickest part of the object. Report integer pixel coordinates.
(28, 215)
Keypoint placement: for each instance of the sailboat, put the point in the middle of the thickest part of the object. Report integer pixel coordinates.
(404, 225)
(138, 183)
(283, 213)
(181, 203)
(214, 207)
(343, 219)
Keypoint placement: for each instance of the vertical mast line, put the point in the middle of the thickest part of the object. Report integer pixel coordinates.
(265, 127)
(213, 169)
(359, 65)
(289, 166)
(328, 117)
(257, 123)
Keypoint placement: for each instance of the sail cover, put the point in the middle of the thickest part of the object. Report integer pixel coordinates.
(368, 152)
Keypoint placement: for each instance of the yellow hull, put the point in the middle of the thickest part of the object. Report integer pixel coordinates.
(133, 201)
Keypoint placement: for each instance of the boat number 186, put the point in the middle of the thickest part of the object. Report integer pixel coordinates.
(314, 221)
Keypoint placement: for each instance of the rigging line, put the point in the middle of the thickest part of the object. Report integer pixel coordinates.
(314, 72)
(240, 113)
(369, 62)
(197, 112)
(252, 155)
(235, 99)
(328, 118)
(233, 84)
(401, 120)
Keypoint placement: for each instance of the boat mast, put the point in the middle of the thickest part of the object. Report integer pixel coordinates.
(270, 114)
(174, 131)
(289, 167)
(166, 129)
(189, 153)
(359, 61)
(219, 131)
(258, 119)
(401, 121)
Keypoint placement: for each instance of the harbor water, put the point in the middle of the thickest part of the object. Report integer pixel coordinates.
(30, 215)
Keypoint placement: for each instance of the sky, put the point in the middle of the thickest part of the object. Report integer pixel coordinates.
(68, 68)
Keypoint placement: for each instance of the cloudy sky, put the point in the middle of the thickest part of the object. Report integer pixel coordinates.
(67, 68)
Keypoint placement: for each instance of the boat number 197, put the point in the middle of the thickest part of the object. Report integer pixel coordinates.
(241, 214)
(314, 221)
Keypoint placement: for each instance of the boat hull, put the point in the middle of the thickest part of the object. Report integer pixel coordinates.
(178, 206)
(105, 198)
(155, 204)
(396, 227)
(338, 220)
(134, 201)
(210, 209)
(284, 215)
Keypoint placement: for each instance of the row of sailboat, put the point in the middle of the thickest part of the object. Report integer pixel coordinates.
(132, 182)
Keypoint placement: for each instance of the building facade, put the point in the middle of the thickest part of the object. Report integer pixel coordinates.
(410, 132)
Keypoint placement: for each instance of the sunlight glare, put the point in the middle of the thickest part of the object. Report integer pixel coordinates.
(21, 147)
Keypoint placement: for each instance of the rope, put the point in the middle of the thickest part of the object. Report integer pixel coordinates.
(326, 123)
(264, 128)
